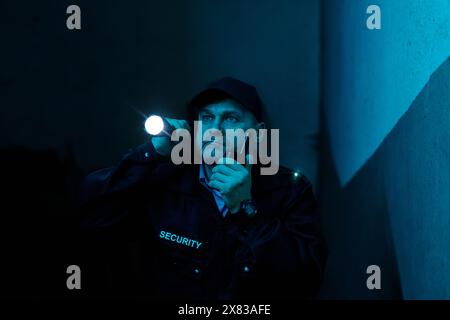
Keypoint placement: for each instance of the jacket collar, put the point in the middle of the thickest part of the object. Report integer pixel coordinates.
(188, 179)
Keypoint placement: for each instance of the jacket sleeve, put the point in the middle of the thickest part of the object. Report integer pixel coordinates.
(284, 257)
(106, 194)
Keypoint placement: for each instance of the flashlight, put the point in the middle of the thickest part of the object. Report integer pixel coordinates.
(158, 126)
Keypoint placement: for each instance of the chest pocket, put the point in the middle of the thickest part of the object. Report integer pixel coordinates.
(181, 255)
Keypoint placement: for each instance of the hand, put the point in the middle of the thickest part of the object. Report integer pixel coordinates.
(234, 182)
(163, 145)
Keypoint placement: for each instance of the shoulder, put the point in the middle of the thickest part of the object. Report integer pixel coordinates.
(285, 179)
(288, 192)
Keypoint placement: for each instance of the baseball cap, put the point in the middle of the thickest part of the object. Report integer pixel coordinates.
(228, 87)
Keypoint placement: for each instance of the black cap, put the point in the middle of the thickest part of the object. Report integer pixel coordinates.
(228, 87)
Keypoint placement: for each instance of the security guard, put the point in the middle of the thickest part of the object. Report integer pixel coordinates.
(209, 232)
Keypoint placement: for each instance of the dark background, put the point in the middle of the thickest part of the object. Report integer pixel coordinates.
(68, 101)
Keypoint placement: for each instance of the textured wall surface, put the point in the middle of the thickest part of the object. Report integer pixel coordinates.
(373, 76)
(417, 183)
(385, 169)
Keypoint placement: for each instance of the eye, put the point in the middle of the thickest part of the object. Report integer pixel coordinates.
(206, 117)
(231, 118)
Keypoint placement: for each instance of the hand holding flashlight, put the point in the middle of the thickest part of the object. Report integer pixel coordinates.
(161, 130)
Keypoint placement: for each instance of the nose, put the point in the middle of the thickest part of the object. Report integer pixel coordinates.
(218, 125)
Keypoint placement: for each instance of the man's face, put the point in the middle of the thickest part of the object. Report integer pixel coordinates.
(224, 115)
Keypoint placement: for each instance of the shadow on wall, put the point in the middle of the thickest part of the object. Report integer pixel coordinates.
(356, 225)
(416, 167)
(394, 212)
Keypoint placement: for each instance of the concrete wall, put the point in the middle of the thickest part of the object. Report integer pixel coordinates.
(384, 187)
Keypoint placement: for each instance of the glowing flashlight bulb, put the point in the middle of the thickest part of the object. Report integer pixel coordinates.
(154, 125)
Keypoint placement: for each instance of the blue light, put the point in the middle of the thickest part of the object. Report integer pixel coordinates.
(154, 125)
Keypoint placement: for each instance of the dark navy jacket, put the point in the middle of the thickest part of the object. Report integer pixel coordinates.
(152, 203)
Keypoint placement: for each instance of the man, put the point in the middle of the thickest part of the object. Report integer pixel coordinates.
(218, 231)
